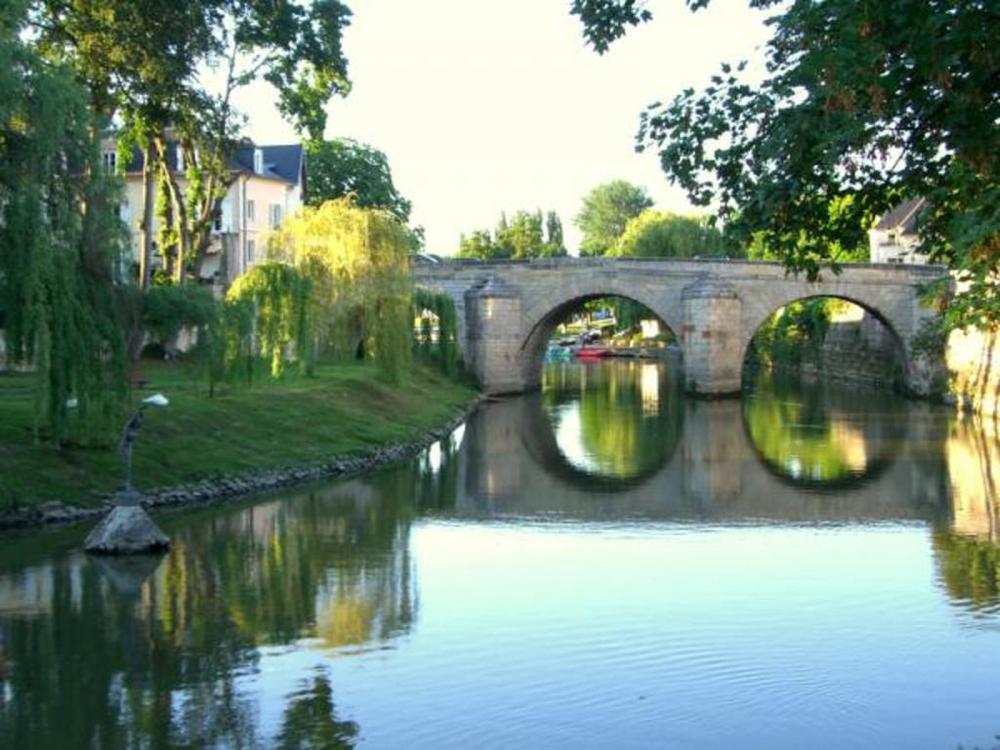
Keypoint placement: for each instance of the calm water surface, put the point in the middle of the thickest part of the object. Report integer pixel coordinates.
(604, 564)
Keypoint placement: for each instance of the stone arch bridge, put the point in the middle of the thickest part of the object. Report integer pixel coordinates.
(507, 310)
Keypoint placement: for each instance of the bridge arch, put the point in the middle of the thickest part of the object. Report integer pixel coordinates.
(541, 317)
(898, 350)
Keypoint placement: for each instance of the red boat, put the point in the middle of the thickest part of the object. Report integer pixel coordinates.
(592, 352)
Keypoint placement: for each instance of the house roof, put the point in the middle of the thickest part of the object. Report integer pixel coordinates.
(904, 216)
(281, 162)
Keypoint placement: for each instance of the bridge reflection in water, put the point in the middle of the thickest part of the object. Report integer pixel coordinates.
(783, 452)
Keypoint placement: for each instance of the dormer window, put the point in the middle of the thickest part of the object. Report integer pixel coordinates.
(258, 161)
(109, 159)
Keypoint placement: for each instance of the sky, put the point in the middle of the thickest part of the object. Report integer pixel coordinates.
(483, 107)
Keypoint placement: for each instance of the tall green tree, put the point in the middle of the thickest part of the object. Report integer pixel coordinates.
(661, 234)
(59, 239)
(344, 166)
(524, 235)
(144, 64)
(555, 245)
(356, 265)
(605, 212)
(880, 101)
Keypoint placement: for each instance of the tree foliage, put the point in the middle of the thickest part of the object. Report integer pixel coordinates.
(357, 263)
(605, 212)
(279, 297)
(793, 333)
(430, 309)
(526, 235)
(879, 101)
(604, 21)
(346, 167)
(166, 310)
(758, 248)
(59, 240)
(660, 234)
(144, 63)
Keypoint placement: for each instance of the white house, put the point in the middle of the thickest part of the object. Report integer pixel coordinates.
(894, 239)
(268, 185)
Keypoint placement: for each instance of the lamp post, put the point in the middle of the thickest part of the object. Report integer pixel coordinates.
(128, 495)
(128, 529)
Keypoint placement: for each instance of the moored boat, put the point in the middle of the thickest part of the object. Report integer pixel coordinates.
(592, 352)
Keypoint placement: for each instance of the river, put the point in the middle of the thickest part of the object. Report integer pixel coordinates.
(602, 564)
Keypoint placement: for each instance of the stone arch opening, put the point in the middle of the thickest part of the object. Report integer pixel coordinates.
(827, 337)
(547, 321)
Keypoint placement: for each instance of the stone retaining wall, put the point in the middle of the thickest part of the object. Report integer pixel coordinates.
(860, 351)
(856, 349)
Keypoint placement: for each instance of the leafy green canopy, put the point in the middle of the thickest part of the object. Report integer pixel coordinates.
(430, 308)
(346, 167)
(58, 240)
(147, 57)
(526, 235)
(280, 299)
(879, 101)
(356, 261)
(661, 234)
(144, 63)
(337, 277)
(605, 212)
(604, 21)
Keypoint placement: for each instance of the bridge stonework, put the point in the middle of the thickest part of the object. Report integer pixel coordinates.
(508, 310)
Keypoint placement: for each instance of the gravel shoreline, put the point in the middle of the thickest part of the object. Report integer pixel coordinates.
(208, 491)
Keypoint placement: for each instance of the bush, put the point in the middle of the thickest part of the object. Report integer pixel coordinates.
(167, 310)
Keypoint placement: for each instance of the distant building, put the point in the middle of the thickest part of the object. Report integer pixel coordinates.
(894, 239)
(268, 185)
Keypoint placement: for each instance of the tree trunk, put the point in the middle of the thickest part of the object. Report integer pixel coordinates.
(148, 204)
(179, 208)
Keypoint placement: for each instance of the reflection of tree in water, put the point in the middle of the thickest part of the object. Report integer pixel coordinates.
(93, 668)
(433, 477)
(969, 569)
(630, 414)
(813, 433)
(310, 719)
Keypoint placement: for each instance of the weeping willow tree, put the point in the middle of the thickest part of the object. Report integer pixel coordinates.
(356, 261)
(58, 242)
(280, 298)
(430, 308)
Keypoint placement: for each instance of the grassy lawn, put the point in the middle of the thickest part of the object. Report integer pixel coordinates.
(296, 420)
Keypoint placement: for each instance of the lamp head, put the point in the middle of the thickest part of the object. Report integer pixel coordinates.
(157, 399)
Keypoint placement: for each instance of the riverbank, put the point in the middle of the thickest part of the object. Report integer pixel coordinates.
(200, 449)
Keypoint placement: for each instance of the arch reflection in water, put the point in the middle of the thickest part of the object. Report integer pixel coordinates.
(822, 435)
(616, 420)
